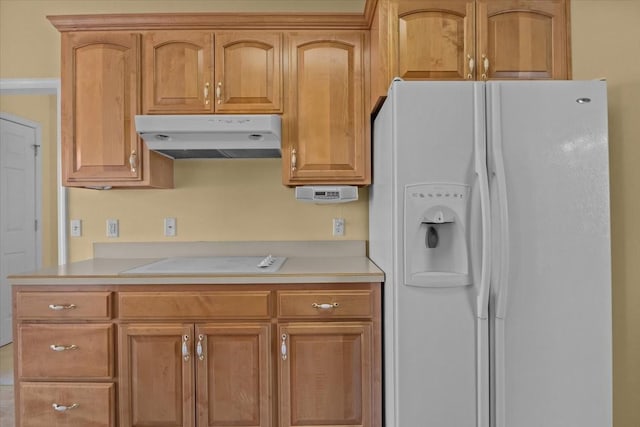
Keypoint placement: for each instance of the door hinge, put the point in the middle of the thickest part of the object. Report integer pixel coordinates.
(35, 149)
(36, 224)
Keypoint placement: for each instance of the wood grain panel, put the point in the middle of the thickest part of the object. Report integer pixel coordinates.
(156, 382)
(248, 72)
(435, 39)
(523, 39)
(73, 305)
(100, 84)
(194, 305)
(233, 375)
(300, 304)
(92, 357)
(177, 65)
(326, 378)
(327, 126)
(96, 404)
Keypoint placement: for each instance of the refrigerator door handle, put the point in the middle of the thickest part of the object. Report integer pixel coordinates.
(483, 291)
(480, 160)
(499, 176)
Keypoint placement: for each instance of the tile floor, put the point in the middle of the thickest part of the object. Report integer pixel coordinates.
(6, 386)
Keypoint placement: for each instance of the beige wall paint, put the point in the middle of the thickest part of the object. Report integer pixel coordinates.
(606, 43)
(217, 200)
(213, 200)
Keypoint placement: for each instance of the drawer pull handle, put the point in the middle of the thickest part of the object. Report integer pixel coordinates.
(199, 348)
(57, 347)
(219, 92)
(325, 306)
(63, 408)
(58, 307)
(283, 347)
(185, 349)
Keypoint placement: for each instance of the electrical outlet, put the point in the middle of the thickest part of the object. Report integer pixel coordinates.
(338, 226)
(169, 227)
(112, 228)
(76, 228)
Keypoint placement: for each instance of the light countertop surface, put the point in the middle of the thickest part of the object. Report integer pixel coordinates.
(323, 263)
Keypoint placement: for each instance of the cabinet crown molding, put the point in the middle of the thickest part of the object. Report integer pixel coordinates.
(212, 21)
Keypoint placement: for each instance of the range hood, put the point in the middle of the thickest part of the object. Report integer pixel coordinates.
(213, 136)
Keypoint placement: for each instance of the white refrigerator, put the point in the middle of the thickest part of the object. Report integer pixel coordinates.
(489, 214)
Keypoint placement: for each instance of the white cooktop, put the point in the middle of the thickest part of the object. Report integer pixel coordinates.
(211, 265)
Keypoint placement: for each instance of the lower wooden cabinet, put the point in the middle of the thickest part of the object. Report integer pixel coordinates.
(326, 374)
(65, 354)
(199, 355)
(226, 364)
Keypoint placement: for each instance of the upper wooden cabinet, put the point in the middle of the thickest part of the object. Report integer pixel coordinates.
(524, 39)
(326, 138)
(199, 72)
(435, 38)
(100, 97)
(466, 39)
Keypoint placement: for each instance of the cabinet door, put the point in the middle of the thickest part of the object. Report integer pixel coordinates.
(248, 72)
(325, 374)
(524, 39)
(100, 88)
(436, 39)
(178, 72)
(327, 139)
(156, 375)
(233, 375)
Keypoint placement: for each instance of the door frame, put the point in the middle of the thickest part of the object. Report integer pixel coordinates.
(47, 87)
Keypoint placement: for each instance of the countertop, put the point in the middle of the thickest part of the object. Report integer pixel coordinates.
(307, 262)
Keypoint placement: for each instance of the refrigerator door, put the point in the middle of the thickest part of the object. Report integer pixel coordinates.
(551, 285)
(428, 180)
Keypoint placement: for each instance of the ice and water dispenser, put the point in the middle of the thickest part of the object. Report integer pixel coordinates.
(436, 247)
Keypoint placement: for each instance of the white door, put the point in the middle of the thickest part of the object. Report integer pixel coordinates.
(433, 290)
(18, 209)
(553, 296)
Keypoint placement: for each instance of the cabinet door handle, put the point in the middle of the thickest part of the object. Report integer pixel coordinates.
(283, 347)
(59, 347)
(325, 306)
(64, 408)
(472, 65)
(58, 307)
(294, 160)
(185, 349)
(199, 348)
(206, 93)
(485, 65)
(219, 92)
(133, 161)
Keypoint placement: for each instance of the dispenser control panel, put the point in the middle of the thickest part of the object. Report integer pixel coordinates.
(435, 235)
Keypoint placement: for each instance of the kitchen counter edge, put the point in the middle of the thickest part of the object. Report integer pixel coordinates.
(109, 271)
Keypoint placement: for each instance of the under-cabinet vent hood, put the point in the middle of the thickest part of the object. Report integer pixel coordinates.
(214, 136)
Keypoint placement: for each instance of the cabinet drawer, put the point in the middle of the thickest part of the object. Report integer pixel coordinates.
(325, 304)
(95, 404)
(63, 305)
(65, 351)
(194, 305)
